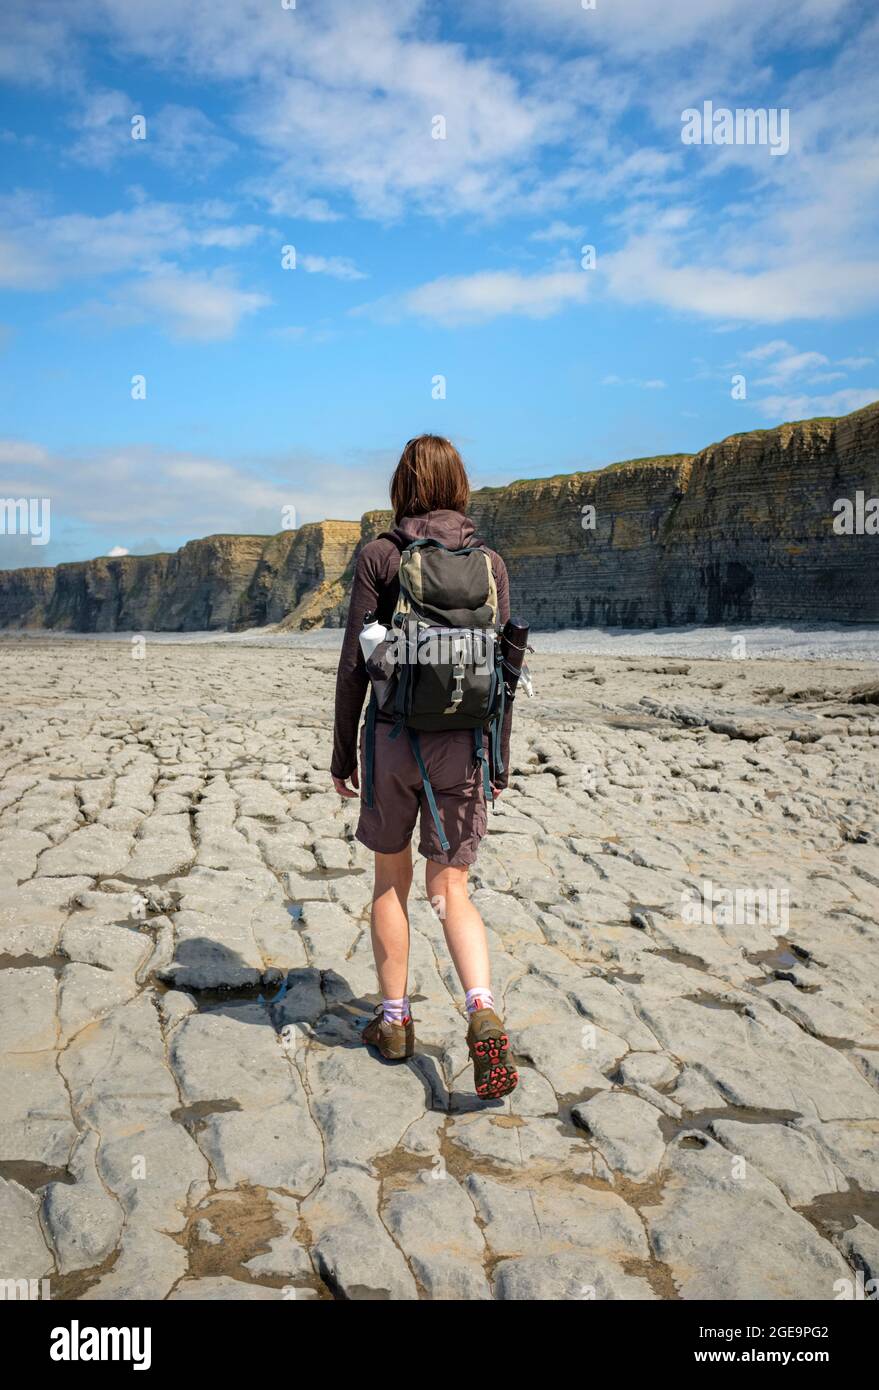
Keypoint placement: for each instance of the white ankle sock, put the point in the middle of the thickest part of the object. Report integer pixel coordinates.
(395, 1010)
(478, 998)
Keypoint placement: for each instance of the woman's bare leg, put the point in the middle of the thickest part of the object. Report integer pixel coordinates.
(464, 928)
(389, 921)
(494, 1068)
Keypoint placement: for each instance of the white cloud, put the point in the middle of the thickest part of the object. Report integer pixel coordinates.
(182, 138)
(21, 453)
(117, 550)
(133, 246)
(770, 349)
(653, 384)
(802, 407)
(341, 99)
(635, 30)
(38, 47)
(38, 250)
(336, 108)
(558, 231)
(284, 201)
(229, 238)
(794, 364)
(469, 299)
(103, 123)
(185, 139)
(207, 308)
(339, 267)
(22, 267)
(787, 367)
(103, 501)
(652, 269)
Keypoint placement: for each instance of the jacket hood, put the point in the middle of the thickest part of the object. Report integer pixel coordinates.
(452, 528)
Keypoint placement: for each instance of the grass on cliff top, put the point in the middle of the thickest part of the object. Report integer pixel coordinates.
(872, 406)
(157, 554)
(653, 461)
(661, 460)
(784, 425)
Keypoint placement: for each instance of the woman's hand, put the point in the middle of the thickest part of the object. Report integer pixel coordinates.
(343, 789)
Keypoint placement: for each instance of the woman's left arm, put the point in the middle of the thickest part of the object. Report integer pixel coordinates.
(351, 677)
(503, 612)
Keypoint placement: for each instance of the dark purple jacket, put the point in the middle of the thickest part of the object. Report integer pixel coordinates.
(375, 588)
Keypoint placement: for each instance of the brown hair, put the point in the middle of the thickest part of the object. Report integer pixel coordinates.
(430, 476)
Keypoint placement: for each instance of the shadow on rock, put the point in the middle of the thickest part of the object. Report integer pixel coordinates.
(319, 1002)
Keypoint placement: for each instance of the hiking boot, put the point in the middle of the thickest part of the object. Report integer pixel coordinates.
(494, 1070)
(393, 1040)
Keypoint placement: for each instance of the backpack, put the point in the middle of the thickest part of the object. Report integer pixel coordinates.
(440, 665)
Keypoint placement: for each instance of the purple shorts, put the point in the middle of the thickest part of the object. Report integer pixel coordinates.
(398, 795)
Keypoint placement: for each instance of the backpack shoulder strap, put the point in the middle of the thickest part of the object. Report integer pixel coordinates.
(369, 749)
(440, 545)
(428, 789)
(389, 536)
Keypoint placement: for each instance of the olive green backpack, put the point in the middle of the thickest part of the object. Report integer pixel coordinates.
(440, 666)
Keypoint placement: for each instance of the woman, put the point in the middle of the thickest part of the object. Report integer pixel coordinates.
(429, 494)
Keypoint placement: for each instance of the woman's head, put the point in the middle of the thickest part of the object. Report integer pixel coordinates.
(429, 477)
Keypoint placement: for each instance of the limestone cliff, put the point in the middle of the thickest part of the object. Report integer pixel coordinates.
(220, 582)
(194, 589)
(299, 577)
(741, 532)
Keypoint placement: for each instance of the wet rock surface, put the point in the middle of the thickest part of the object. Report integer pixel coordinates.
(681, 887)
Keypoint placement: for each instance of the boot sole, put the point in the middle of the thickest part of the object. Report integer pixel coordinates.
(494, 1074)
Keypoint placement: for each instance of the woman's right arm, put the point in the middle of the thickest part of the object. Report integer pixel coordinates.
(351, 677)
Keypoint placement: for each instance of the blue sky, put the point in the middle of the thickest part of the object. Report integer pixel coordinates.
(416, 257)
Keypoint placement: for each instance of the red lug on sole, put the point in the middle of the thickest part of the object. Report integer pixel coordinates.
(496, 1077)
